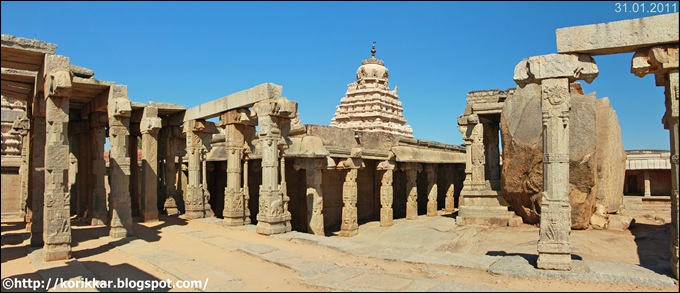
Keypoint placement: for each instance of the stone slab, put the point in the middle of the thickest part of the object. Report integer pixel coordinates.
(584, 271)
(244, 98)
(619, 36)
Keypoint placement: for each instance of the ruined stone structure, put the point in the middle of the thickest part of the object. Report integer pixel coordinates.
(481, 200)
(648, 173)
(369, 104)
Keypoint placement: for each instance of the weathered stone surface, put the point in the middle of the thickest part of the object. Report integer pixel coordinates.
(618, 36)
(571, 66)
(80, 71)
(522, 175)
(244, 98)
(611, 157)
(620, 222)
(599, 218)
(10, 41)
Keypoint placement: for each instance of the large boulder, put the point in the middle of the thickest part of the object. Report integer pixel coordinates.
(522, 173)
(611, 157)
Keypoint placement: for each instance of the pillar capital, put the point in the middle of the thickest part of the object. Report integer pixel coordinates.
(280, 107)
(236, 116)
(119, 103)
(309, 164)
(57, 76)
(657, 60)
(150, 122)
(571, 66)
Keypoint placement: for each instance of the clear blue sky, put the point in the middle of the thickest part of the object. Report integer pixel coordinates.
(189, 53)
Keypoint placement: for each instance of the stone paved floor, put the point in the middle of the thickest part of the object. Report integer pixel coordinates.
(409, 256)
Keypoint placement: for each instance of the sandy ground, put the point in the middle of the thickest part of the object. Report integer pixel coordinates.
(645, 244)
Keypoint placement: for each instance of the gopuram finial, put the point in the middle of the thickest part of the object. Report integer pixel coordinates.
(373, 50)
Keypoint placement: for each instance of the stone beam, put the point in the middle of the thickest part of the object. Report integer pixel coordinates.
(9, 41)
(242, 99)
(618, 36)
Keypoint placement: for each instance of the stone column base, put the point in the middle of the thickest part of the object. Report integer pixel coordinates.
(431, 209)
(235, 221)
(150, 216)
(554, 261)
(56, 252)
(349, 233)
(386, 217)
(272, 228)
(487, 208)
(118, 232)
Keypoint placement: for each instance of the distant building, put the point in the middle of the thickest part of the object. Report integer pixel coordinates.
(648, 173)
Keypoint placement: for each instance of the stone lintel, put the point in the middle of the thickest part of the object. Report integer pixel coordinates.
(571, 66)
(245, 98)
(618, 36)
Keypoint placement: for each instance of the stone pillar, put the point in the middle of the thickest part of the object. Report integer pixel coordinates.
(492, 154)
(663, 62)
(386, 192)
(554, 73)
(273, 116)
(411, 170)
(149, 127)
(21, 126)
(648, 185)
(313, 173)
(119, 111)
(98, 188)
(133, 138)
(173, 197)
(36, 186)
(431, 170)
(56, 220)
(246, 191)
(235, 203)
(196, 204)
(449, 204)
(350, 224)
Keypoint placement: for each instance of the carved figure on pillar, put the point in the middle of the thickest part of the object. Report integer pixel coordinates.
(411, 170)
(431, 170)
(313, 172)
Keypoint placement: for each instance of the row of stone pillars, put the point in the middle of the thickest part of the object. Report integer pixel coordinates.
(47, 157)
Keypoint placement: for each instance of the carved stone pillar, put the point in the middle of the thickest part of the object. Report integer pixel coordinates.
(273, 117)
(492, 154)
(313, 173)
(431, 171)
(246, 191)
(449, 204)
(149, 127)
(133, 141)
(98, 136)
(554, 73)
(196, 204)
(119, 111)
(173, 197)
(663, 62)
(56, 221)
(386, 192)
(235, 203)
(36, 186)
(21, 126)
(411, 170)
(350, 224)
